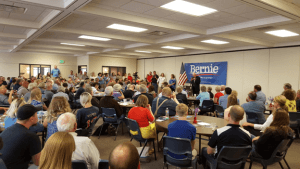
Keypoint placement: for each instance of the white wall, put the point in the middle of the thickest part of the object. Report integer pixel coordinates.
(83, 60)
(96, 63)
(9, 62)
(270, 68)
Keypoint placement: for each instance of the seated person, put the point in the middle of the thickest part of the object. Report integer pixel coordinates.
(71, 94)
(4, 100)
(61, 92)
(203, 95)
(254, 106)
(298, 101)
(58, 151)
(257, 129)
(36, 99)
(31, 86)
(125, 155)
(181, 96)
(151, 90)
(211, 95)
(232, 100)
(48, 93)
(95, 88)
(137, 90)
(109, 102)
(79, 91)
(86, 115)
(23, 145)
(218, 95)
(264, 146)
(58, 106)
(168, 100)
(118, 95)
(143, 90)
(129, 92)
(223, 99)
(94, 101)
(181, 128)
(230, 135)
(85, 147)
(290, 100)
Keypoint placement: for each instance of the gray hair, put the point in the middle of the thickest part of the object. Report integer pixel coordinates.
(66, 122)
(32, 86)
(108, 90)
(48, 84)
(85, 98)
(137, 87)
(88, 88)
(143, 88)
(117, 87)
(41, 85)
(61, 89)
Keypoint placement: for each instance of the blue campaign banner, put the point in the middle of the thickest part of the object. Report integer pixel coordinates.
(211, 73)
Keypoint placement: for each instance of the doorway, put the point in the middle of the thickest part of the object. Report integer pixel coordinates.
(82, 68)
(113, 69)
(29, 70)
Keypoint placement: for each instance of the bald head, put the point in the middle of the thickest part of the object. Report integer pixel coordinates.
(124, 156)
(223, 88)
(236, 113)
(194, 74)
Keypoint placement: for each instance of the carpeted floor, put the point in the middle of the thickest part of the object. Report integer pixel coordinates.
(106, 144)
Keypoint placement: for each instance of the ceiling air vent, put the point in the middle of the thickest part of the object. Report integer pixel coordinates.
(158, 33)
(267, 28)
(12, 9)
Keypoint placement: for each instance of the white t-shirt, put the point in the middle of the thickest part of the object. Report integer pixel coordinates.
(161, 80)
(86, 150)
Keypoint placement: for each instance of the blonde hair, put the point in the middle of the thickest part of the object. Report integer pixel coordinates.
(41, 85)
(203, 89)
(166, 91)
(232, 100)
(281, 100)
(57, 106)
(85, 98)
(179, 89)
(218, 88)
(35, 94)
(234, 92)
(181, 109)
(14, 106)
(58, 150)
(142, 101)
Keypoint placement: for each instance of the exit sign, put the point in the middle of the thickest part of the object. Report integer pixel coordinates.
(61, 61)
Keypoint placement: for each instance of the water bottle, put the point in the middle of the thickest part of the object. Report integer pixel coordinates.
(167, 113)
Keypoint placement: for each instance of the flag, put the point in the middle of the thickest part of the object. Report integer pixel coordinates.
(182, 76)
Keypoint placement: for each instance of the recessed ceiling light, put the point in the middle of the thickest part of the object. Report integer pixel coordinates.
(142, 51)
(126, 28)
(188, 8)
(71, 44)
(217, 42)
(172, 47)
(282, 33)
(93, 38)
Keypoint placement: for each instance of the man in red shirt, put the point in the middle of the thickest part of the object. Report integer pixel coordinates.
(149, 77)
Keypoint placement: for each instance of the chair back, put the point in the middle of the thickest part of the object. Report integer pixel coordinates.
(79, 164)
(279, 152)
(185, 148)
(233, 157)
(255, 118)
(208, 104)
(134, 126)
(2, 164)
(109, 115)
(180, 101)
(294, 119)
(103, 164)
(219, 109)
(91, 128)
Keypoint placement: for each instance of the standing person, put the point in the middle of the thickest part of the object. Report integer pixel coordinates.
(80, 75)
(172, 83)
(154, 81)
(113, 75)
(102, 79)
(119, 76)
(195, 84)
(71, 75)
(161, 80)
(58, 150)
(149, 77)
(23, 145)
(129, 77)
(93, 76)
(55, 72)
(85, 76)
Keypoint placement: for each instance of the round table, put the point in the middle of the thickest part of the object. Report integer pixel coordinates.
(200, 130)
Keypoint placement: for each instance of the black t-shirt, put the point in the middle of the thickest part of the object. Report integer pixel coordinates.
(79, 92)
(149, 96)
(154, 78)
(4, 83)
(85, 116)
(230, 135)
(19, 145)
(211, 95)
(128, 93)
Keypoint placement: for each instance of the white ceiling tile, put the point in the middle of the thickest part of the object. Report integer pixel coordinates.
(114, 3)
(126, 11)
(234, 19)
(237, 10)
(137, 7)
(223, 4)
(87, 27)
(156, 3)
(30, 7)
(257, 14)
(13, 29)
(23, 17)
(180, 17)
(159, 12)
(205, 22)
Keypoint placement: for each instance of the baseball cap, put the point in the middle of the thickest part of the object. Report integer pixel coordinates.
(26, 111)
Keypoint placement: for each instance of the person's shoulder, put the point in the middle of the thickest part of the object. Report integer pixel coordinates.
(94, 107)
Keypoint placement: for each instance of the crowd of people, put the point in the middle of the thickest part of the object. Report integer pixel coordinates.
(67, 132)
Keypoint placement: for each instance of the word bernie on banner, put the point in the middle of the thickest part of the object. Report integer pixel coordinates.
(211, 73)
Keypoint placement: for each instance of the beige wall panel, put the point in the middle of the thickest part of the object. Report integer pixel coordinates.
(141, 68)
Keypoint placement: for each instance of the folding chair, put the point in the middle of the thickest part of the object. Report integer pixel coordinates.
(103, 164)
(207, 106)
(79, 164)
(255, 117)
(219, 111)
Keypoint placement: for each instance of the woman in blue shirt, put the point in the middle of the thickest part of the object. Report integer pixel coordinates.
(172, 83)
(203, 95)
(36, 99)
(58, 106)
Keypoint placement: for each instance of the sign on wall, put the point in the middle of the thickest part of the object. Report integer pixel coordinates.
(211, 73)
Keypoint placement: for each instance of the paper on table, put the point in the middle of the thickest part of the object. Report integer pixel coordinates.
(203, 124)
(159, 120)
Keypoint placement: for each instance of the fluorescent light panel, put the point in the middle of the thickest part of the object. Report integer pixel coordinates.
(172, 47)
(188, 8)
(216, 42)
(126, 28)
(93, 38)
(71, 44)
(142, 51)
(282, 33)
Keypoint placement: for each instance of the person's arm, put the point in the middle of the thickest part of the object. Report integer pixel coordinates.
(210, 150)
(44, 107)
(45, 123)
(36, 159)
(9, 100)
(93, 155)
(212, 143)
(193, 144)
(150, 114)
(215, 100)
(174, 98)
(265, 125)
(122, 96)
